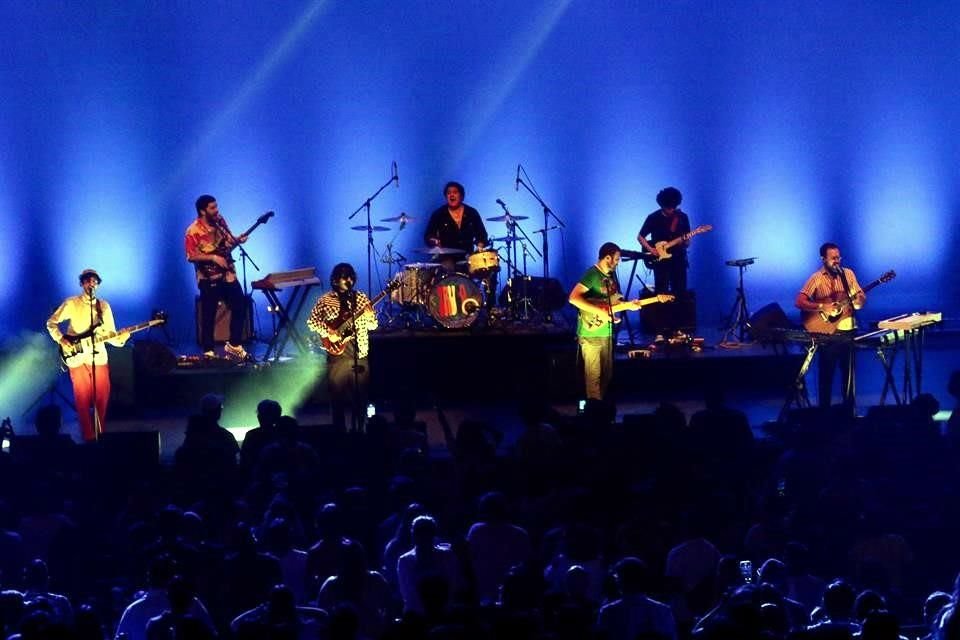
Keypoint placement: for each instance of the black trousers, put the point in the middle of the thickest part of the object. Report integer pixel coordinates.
(212, 292)
(670, 276)
(348, 392)
(832, 356)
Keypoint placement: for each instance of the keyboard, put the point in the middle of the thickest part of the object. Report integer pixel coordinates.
(911, 321)
(287, 279)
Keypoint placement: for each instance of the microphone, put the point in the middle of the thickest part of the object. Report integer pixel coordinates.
(516, 184)
(396, 175)
(500, 202)
(403, 216)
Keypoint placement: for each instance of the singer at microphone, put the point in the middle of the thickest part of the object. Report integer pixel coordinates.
(834, 293)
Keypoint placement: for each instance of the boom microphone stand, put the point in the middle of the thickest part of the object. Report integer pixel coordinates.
(394, 177)
(547, 212)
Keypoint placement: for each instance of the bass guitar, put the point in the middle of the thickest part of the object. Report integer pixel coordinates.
(595, 320)
(663, 247)
(344, 326)
(81, 343)
(827, 319)
(224, 247)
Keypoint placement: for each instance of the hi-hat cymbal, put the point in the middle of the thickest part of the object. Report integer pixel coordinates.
(364, 227)
(440, 251)
(503, 218)
(400, 218)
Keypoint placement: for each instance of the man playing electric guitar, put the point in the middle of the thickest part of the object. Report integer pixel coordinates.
(348, 370)
(666, 224)
(88, 316)
(834, 291)
(208, 243)
(597, 297)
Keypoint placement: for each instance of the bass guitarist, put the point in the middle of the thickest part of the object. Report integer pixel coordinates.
(833, 291)
(88, 316)
(348, 369)
(208, 243)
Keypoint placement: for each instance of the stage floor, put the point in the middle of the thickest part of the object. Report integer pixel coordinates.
(485, 375)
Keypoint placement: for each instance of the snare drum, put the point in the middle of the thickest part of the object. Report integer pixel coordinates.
(415, 281)
(455, 301)
(483, 263)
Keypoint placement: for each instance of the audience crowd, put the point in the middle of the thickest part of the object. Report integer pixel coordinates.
(655, 527)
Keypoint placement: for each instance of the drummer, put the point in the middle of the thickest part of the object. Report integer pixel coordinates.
(458, 226)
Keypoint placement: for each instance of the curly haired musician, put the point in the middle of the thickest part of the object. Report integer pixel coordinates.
(827, 291)
(346, 347)
(87, 315)
(208, 242)
(665, 224)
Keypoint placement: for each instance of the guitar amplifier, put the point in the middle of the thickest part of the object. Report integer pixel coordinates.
(669, 317)
(221, 328)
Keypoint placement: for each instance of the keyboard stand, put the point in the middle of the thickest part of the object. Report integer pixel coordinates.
(287, 328)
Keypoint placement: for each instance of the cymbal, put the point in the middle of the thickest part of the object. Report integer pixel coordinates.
(440, 251)
(503, 238)
(400, 218)
(364, 227)
(503, 218)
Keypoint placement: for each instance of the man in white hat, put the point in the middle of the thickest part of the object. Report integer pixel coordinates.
(89, 318)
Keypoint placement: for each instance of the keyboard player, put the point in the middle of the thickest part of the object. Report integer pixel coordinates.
(833, 292)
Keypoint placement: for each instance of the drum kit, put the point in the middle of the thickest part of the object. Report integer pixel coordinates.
(431, 293)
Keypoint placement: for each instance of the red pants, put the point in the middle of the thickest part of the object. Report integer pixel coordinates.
(82, 379)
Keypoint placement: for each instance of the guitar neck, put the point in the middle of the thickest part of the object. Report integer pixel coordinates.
(131, 329)
(345, 321)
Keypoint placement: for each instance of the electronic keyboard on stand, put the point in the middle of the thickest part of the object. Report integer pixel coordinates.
(908, 330)
(299, 281)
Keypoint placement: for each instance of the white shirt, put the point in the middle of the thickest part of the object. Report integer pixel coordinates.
(77, 311)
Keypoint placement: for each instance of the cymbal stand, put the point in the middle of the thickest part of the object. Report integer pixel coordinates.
(370, 246)
(739, 319)
(390, 258)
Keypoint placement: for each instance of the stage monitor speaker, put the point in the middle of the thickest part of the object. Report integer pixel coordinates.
(221, 328)
(769, 317)
(546, 294)
(152, 357)
(669, 317)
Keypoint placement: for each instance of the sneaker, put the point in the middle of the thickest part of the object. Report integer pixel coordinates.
(236, 352)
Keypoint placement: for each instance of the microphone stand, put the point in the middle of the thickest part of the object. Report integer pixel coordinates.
(355, 404)
(850, 355)
(244, 258)
(547, 212)
(93, 367)
(366, 205)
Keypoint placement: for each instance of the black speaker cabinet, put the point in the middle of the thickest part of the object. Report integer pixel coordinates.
(221, 329)
(772, 316)
(668, 317)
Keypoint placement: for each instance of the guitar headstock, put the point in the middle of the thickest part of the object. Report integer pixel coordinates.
(394, 284)
(263, 219)
(703, 228)
(666, 297)
(888, 276)
(159, 316)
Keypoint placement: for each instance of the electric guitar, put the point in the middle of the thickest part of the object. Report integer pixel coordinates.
(80, 343)
(343, 324)
(595, 320)
(224, 249)
(826, 320)
(663, 247)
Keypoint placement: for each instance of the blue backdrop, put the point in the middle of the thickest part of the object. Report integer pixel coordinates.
(784, 124)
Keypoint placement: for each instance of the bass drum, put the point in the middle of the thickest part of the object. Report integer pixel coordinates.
(415, 281)
(455, 301)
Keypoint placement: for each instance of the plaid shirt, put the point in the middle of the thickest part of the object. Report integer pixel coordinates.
(327, 309)
(824, 286)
